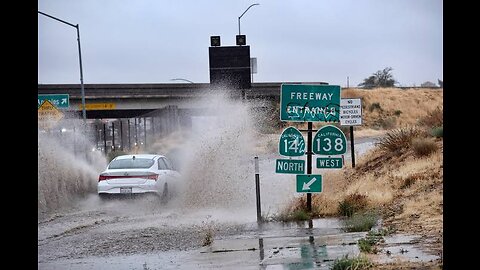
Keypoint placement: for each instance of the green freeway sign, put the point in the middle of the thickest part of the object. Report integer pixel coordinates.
(293, 166)
(309, 183)
(291, 143)
(59, 101)
(310, 103)
(329, 163)
(329, 140)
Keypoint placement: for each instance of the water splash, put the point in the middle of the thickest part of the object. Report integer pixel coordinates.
(67, 168)
(216, 157)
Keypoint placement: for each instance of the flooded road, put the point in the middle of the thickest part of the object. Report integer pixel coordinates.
(235, 246)
(140, 233)
(210, 224)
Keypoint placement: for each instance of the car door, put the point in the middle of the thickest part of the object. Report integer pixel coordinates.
(162, 168)
(171, 170)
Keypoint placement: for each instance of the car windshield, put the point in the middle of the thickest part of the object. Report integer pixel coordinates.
(131, 163)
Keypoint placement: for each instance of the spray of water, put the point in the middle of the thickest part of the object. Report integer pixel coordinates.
(216, 159)
(218, 151)
(67, 166)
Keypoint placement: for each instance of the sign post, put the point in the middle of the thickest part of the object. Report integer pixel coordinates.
(351, 115)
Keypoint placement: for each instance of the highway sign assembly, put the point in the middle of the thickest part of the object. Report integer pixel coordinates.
(309, 183)
(292, 143)
(59, 101)
(351, 112)
(48, 115)
(329, 140)
(292, 166)
(329, 163)
(310, 103)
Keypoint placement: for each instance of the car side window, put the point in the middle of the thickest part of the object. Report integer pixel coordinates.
(167, 162)
(161, 164)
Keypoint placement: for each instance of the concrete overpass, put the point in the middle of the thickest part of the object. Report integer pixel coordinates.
(136, 100)
(123, 116)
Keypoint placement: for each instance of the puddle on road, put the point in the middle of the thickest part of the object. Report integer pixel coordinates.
(402, 247)
(271, 246)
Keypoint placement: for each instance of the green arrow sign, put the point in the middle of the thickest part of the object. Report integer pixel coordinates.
(310, 103)
(291, 143)
(309, 183)
(59, 101)
(329, 163)
(329, 140)
(293, 166)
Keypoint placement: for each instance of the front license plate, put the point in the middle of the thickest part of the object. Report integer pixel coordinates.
(125, 190)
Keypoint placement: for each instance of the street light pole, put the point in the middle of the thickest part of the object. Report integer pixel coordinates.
(243, 14)
(84, 115)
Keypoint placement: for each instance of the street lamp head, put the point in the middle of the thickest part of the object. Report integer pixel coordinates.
(256, 4)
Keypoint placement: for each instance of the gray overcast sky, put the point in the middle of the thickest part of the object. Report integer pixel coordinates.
(148, 41)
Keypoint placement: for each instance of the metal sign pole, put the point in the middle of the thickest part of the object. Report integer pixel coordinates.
(352, 148)
(257, 189)
(309, 162)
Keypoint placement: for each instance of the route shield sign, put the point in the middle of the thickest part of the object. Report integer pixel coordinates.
(59, 101)
(329, 163)
(350, 112)
(293, 166)
(309, 183)
(310, 103)
(329, 140)
(291, 143)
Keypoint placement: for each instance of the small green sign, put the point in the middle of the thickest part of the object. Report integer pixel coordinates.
(310, 103)
(329, 163)
(293, 166)
(309, 183)
(291, 143)
(59, 101)
(329, 140)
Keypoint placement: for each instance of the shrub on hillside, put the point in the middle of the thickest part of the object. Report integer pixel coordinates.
(353, 203)
(399, 139)
(385, 123)
(375, 106)
(433, 118)
(437, 132)
(361, 222)
(424, 146)
(355, 263)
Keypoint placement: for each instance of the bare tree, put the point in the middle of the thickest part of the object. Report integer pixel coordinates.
(381, 78)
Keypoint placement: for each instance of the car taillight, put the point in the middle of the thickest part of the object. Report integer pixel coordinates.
(102, 177)
(148, 176)
(151, 177)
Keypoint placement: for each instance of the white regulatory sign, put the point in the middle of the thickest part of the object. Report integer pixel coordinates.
(350, 112)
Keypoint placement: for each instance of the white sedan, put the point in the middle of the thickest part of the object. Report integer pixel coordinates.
(139, 174)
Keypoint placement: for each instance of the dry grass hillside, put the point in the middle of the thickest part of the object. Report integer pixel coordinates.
(387, 108)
